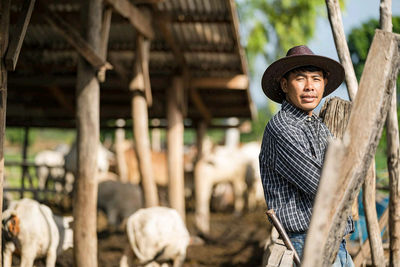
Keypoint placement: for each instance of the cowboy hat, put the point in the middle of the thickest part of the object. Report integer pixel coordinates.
(300, 56)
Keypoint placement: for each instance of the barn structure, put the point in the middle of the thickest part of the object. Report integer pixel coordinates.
(85, 64)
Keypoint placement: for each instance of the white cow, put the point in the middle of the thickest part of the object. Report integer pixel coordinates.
(104, 157)
(50, 163)
(156, 235)
(236, 165)
(31, 228)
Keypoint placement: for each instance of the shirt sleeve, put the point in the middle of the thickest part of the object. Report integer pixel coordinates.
(295, 163)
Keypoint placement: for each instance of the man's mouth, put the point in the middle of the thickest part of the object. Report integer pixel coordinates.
(308, 98)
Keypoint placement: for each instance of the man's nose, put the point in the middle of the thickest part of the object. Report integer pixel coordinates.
(309, 86)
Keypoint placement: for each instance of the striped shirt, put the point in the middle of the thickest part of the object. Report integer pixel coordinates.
(291, 160)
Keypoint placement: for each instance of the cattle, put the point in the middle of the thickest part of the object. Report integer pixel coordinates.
(104, 157)
(31, 229)
(236, 165)
(156, 235)
(118, 201)
(50, 163)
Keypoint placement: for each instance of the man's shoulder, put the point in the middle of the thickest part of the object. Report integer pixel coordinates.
(280, 124)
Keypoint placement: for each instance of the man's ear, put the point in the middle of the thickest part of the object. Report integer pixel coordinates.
(283, 83)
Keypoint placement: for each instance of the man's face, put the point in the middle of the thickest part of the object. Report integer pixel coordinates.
(304, 89)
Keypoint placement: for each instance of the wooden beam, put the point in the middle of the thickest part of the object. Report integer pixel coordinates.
(140, 22)
(164, 24)
(105, 32)
(238, 82)
(15, 45)
(199, 103)
(73, 37)
(60, 97)
(347, 161)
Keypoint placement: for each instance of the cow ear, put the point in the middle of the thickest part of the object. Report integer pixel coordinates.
(13, 225)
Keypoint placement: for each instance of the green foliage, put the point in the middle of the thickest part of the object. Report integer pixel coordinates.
(257, 126)
(360, 40)
(274, 26)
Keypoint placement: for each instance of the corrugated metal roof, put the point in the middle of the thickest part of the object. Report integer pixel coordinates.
(204, 31)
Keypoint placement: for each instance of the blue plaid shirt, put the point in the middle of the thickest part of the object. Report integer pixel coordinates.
(291, 160)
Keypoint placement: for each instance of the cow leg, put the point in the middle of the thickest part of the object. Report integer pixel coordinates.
(202, 214)
(7, 254)
(179, 260)
(28, 257)
(51, 258)
(238, 188)
(127, 257)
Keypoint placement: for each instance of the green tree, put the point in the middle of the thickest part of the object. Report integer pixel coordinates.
(360, 40)
(271, 27)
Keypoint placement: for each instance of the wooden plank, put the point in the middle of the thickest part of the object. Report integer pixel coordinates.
(140, 22)
(347, 162)
(19, 35)
(238, 82)
(73, 37)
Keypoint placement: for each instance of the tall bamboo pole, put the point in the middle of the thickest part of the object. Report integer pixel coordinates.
(88, 126)
(392, 137)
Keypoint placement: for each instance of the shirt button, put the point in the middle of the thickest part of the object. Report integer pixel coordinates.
(309, 119)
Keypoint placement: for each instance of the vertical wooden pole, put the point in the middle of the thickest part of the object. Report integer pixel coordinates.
(120, 151)
(141, 126)
(335, 19)
(4, 26)
(201, 186)
(175, 145)
(156, 136)
(88, 127)
(371, 217)
(393, 153)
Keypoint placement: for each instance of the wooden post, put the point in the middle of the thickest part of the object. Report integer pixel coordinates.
(365, 248)
(4, 27)
(141, 128)
(371, 218)
(393, 153)
(175, 145)
(335, 18)
(347, 162)
(155, 136)
(120, 151)
(88, 127)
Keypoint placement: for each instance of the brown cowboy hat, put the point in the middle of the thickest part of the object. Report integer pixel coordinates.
(300, 56)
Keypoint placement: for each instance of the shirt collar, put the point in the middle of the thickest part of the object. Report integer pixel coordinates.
(296, 112)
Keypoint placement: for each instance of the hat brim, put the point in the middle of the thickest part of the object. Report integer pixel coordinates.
(270, 81)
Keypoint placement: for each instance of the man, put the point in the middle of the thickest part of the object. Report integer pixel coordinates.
(295, 140)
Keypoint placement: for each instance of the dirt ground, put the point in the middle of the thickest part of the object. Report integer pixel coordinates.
(233, 241)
